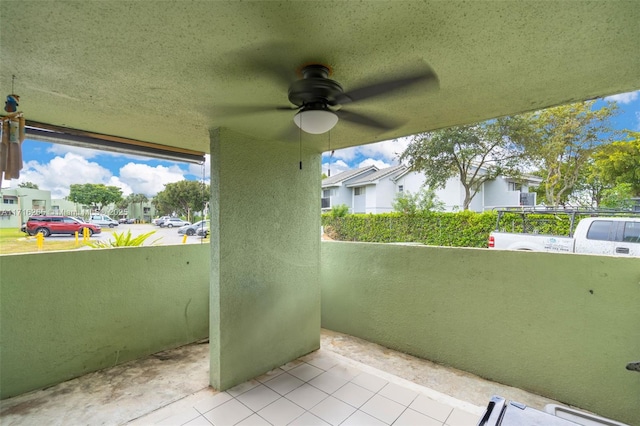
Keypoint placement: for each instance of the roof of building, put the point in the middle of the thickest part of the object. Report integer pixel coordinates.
(374, 177)
(347, 174)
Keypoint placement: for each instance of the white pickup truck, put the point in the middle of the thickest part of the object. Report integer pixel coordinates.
(615, 236)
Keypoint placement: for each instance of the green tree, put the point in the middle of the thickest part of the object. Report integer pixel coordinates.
(94, 194)
(30, 185)
(475, 154)
(618, 197)
(124, 202)
(183, 198)
(619, 163)
(341, 210)
(590, 187)
(562, 143)
(161, 203)
(424, 200)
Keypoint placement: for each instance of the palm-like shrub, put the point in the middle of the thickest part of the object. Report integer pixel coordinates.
(124, 240)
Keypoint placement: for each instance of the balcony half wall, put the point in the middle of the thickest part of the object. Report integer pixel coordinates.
(559, 325)
(65, 314)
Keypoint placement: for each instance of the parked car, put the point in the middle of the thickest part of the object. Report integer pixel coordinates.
(126, 220)
(102, 220)
(191, 229)
(160, 220)
(48, 225)
(203, 232)
(173, 222)
(615, 236)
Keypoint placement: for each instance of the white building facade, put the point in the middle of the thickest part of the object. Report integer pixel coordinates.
(373, 190)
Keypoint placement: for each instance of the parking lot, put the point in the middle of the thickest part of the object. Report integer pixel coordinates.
(167, 236)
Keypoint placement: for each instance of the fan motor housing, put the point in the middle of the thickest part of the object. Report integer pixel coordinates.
(315, 87)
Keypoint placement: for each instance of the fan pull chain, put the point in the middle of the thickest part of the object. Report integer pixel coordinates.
(330, 155)
(300, 139)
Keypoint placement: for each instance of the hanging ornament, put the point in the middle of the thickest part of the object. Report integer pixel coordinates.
(11, 105)
(13, 133)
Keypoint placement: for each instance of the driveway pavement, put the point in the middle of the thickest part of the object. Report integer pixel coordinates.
(169, 235)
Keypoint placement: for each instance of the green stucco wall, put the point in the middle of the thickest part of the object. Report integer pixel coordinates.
(65, 314)
(265, 254)
(562, 326)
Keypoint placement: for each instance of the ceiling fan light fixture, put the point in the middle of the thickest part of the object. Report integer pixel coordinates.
(315, 121)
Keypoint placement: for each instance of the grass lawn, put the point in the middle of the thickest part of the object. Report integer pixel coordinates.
(14, 241)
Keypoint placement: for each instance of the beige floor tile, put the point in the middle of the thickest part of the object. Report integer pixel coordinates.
(462, 418)
(431, 408)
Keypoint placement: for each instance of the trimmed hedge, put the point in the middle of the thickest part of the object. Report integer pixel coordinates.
(462, 229)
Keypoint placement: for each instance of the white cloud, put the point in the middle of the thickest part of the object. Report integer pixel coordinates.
(624, 98)
(63, 150)
(115, 181)
(57, 175)
(638, 123)
(381, 154)
(144, 179)
(336, 167)
(386, 150)
(346, 154)
(371, 162)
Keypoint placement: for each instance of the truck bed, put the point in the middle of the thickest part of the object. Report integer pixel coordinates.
(532, 242)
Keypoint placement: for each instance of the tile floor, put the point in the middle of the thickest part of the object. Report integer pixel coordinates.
(322, 388)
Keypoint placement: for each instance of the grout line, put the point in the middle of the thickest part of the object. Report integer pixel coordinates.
(363, 368)
(430, 393)
(201, 415)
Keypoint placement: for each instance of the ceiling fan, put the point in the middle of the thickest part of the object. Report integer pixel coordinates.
(319, 100)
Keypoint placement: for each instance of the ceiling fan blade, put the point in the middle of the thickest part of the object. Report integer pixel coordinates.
(229, 110)
(383, 124)
(385, 87)
(269, 59)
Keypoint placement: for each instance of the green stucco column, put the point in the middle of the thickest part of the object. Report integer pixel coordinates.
(265, 256)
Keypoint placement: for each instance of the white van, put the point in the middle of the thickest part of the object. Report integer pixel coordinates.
(103, 220)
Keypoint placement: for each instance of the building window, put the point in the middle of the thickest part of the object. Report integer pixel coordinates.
(514, 186)
(358, 191)
(400, 188)
(38, 205)
(9, 200)
(325, 201)
(146, 209)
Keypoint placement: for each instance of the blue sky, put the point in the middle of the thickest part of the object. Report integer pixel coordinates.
(54, 167)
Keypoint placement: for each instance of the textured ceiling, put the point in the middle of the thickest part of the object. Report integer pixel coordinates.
(166, 72)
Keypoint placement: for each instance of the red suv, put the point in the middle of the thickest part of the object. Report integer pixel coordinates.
(58, 225)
